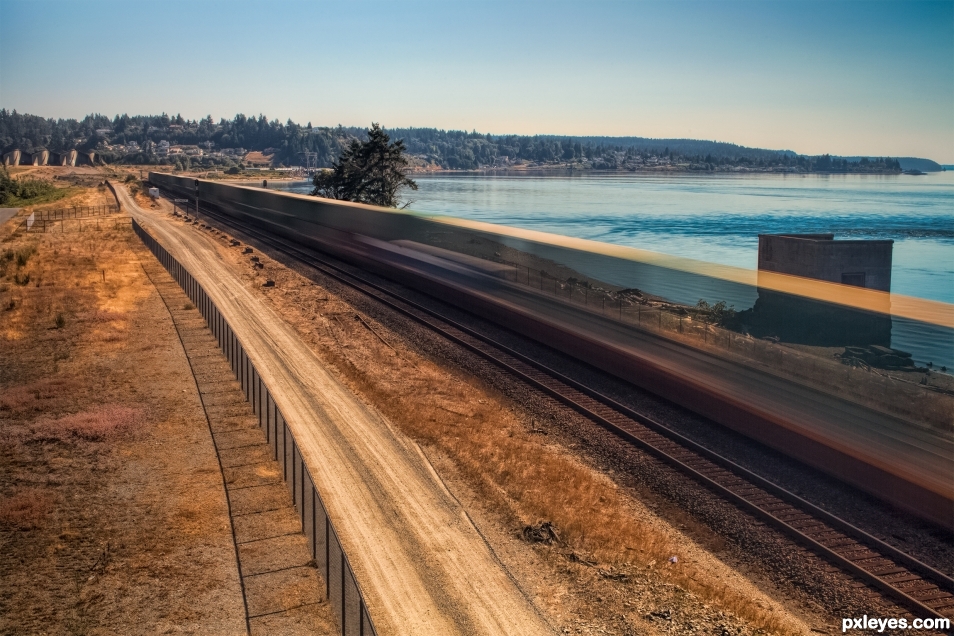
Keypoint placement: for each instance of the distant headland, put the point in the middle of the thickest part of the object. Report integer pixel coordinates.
(257, 142)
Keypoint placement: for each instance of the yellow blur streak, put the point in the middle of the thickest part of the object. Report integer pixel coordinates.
(927, 311)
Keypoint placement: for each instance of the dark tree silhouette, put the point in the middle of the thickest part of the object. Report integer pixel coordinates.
(367, 172)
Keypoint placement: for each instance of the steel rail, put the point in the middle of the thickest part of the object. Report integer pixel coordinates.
(905, 579)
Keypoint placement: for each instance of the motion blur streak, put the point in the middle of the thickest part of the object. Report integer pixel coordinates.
(919, 309)
(888, 436)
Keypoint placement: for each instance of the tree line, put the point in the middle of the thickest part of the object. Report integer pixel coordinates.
(426, 147)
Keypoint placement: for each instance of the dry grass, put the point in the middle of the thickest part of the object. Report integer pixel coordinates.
(528, 481)
(46, 395)
(104, 315)
(26, 509)
(513, 471)
(94, 425)
(101, 448)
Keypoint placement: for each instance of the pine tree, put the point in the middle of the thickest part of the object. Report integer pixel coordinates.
(367, 172)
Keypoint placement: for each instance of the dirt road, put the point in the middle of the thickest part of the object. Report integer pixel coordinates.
(7, 213)
(423, 565)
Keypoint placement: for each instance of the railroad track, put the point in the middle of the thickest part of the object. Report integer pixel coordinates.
(925, 591)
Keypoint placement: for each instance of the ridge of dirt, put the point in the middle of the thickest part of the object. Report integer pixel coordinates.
(421, 563)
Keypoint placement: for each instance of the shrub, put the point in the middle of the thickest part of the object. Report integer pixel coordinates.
(94, 425)
(717, 314)
(42, 395)
(23, 255)
(26, 509)
(21, 190)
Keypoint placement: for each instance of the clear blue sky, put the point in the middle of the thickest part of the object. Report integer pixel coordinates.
(866, 78)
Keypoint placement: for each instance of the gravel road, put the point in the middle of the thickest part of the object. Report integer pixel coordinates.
(422, 564)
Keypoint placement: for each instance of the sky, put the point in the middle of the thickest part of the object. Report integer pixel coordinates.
(847, 78)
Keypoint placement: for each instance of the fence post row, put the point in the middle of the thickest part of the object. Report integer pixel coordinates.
(311, 509)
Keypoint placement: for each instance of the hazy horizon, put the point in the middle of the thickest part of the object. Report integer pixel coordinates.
(850, 79)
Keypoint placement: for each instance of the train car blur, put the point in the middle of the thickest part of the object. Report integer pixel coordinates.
(907, 463)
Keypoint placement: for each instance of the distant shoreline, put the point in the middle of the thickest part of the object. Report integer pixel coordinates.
(564, 170)
(558, 171)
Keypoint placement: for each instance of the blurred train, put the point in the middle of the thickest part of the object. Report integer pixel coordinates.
(908, 463)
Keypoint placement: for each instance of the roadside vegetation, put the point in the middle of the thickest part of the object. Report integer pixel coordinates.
(26, 191)
(100, 532)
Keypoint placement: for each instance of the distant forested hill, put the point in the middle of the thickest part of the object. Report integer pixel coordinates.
(683, 146)
(183, 143)
(468, 151)
(910, 163)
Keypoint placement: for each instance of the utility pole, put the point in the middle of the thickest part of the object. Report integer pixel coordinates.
(310, 159)
(197, 199)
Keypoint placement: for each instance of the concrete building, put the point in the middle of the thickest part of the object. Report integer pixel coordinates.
(63, 159)
(38, 158)
(796, 319)
(819, 256)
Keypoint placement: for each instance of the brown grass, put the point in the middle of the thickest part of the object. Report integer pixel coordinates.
(41, 395)
(517, 474)
(79, 462)
(26, 509)
(103, 315)
(536, 482)
(94, 425)
(530, 482)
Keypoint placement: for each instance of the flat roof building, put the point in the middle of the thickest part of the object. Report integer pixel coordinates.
(819, 256)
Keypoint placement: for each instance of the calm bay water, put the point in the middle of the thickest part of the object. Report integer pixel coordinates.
(718, 218)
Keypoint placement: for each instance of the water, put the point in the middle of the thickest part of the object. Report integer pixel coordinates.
(718, 218)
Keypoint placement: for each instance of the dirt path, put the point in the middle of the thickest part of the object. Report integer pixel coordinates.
(424, 567)
(283, 592)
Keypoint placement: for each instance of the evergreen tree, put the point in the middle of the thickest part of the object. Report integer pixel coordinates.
(367, 172)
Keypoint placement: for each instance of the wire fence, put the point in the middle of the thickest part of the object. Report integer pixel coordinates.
(73, 219)
(868, 385)
(75, 212)
(341, 586)
(65, 226)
